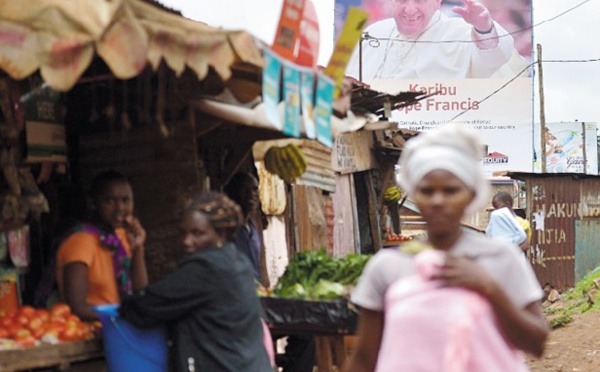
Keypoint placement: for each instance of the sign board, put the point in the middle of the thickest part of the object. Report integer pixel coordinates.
(288, 29)
(271, 81)
(353, 26)
(308, 51)
(444, 59)
(44, 127)
(351, 152)
(570, 148)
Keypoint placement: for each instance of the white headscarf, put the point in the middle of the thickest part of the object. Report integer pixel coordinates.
(452, 148)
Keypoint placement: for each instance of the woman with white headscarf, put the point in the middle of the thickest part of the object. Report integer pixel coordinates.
(458, 301)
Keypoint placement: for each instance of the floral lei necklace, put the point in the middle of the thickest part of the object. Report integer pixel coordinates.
(121, 261)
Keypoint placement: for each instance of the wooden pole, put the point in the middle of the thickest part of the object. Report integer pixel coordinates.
(542, 111)
(373, 211)
(583, 148)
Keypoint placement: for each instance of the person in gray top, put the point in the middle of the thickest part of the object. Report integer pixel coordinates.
(441, 171)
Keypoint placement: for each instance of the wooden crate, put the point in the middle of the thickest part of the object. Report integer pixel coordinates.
(59, 356)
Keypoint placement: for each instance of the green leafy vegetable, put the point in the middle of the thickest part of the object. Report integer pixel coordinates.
(326, 290)
(321, 276)
(293, 291)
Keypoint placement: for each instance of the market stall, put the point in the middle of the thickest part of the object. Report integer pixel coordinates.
(180, 110)
(110, 65)
(310, 301)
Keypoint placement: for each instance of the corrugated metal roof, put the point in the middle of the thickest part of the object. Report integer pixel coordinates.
(526, 175)
(365, 100)
(318, 172)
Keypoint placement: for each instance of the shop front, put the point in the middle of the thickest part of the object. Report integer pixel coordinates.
(172, 103)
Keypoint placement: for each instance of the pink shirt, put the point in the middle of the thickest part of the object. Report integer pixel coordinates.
(433, 329)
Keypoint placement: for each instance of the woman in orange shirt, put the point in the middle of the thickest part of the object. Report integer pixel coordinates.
(102, 261)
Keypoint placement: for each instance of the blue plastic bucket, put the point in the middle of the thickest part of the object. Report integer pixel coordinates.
(128, 348)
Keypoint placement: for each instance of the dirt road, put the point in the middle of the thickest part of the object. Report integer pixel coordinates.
(574, 347)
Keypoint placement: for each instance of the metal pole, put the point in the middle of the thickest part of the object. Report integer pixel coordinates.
(542, 111)
(362, 35)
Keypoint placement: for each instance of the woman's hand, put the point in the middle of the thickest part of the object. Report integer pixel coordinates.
(466, 273)
(137, 238)
(136, 233)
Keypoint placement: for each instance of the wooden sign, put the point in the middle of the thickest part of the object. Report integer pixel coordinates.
(351, 152)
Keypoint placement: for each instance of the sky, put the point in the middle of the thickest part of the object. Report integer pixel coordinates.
(571, 89)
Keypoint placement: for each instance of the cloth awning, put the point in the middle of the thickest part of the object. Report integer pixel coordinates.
(60, 38)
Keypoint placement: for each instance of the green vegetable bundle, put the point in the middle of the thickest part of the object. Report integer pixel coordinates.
(315, 275)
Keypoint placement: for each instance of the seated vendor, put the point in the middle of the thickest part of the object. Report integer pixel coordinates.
(102, 261)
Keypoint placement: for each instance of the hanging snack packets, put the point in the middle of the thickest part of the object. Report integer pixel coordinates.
(18, 245)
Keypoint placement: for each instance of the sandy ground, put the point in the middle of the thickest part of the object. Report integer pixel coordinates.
(575, 347)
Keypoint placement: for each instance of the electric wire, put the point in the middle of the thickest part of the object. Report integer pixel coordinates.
(519, 74)
(496, 91)
(571, 60)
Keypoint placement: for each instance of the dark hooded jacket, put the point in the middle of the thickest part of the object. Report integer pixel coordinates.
(211, 310)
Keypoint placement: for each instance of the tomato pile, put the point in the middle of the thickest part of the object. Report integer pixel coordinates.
(393, 237)
(28, 326)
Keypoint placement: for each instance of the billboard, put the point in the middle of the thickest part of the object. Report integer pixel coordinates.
(570, 148)
(472, 58)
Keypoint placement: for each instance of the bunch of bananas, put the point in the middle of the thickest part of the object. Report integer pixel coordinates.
(392, 194)
(287, 162)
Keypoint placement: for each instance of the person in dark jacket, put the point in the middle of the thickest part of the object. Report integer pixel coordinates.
(209, 303)
(243, 189)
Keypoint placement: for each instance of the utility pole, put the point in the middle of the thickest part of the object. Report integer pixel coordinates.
(542, 111)
(584, 140)
(360, 52)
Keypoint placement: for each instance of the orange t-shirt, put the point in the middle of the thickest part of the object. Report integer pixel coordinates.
(85, 247)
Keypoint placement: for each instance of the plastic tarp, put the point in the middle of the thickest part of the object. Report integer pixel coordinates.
(292, 316)
(60, 38)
